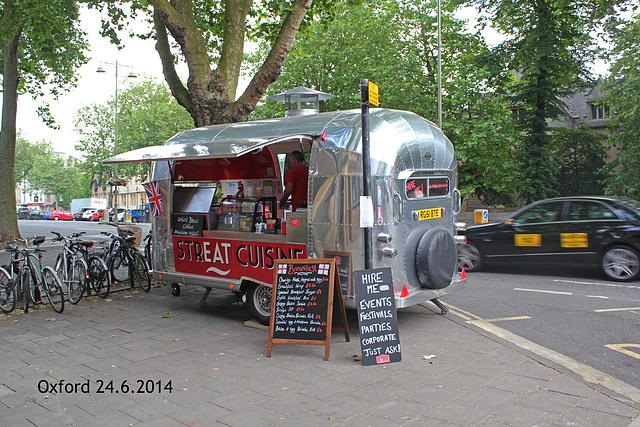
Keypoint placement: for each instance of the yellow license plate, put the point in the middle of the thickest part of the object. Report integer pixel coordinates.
(528, 239)
(574, 240)
(429, 213)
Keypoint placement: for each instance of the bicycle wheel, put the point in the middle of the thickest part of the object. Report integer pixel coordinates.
(53, 289)
(119, 267)
(99, 279)
(7, 292)
(77, 281)
(139, 271)
(25, 287)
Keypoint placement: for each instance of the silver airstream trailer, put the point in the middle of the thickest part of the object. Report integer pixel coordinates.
(221, 226)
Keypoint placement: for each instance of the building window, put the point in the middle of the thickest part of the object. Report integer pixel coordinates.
(599, 112)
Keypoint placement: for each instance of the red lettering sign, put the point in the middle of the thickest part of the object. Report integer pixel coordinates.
(231, 259)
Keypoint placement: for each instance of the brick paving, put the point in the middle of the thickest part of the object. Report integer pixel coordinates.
(220, 374)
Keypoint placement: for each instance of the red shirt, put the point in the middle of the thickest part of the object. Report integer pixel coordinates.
(299, 177)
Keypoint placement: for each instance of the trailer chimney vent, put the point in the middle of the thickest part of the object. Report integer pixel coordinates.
(301, 100)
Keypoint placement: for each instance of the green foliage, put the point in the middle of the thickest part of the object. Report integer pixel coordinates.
(550, 44)
(51, 48)
(147, 115)
(41, 170)
(579, 162)
(394, 44)
(623, 95)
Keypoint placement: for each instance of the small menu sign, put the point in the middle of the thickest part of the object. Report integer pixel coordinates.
(187, 225)
(304, 296)
(343, 264)
(377, 318)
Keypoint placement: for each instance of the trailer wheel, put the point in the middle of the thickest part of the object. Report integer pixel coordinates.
(175, 289)
(259, 299)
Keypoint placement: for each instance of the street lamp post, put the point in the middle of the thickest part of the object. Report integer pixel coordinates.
(439, 68)
(115, 127)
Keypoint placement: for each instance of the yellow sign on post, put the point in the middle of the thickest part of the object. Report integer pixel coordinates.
(373, 94)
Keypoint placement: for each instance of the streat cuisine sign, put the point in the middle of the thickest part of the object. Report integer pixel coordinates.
(231, 259)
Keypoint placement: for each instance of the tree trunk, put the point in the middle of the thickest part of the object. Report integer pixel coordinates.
(210, 93)
(8, 215)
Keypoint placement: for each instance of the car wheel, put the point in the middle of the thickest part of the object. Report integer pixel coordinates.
(620, 263)
(469, 257)
(56, 218)
(134, 220)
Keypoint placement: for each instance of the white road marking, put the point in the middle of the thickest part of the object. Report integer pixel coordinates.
(502, 319)
(616, 309)
(575, 282)
(611, 285)
(597, 296)
(543, 291)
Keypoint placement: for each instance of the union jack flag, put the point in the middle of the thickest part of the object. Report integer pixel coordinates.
(324, 269)
(155, 198)
(282, 269)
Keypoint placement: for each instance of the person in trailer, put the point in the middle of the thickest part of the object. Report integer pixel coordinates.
(296, 181)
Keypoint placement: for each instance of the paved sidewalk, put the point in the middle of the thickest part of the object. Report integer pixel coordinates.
(220, 375)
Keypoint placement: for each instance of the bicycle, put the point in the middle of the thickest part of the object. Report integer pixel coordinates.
(32, 278)
(71, 269)
(7, 291)
(74, 258)
(123, 255)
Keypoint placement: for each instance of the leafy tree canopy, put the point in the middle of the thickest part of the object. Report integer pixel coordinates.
(549, 45)
(395, 45)
(147, 115)
(39, 169)
(42, 47)
(623, 95)
(210, 35)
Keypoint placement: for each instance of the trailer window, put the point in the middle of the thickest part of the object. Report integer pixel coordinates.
(417, 188)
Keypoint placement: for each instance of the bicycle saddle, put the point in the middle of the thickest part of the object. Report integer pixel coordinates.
(38, 240)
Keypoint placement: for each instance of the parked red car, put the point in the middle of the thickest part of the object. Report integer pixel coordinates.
(64, 215)
(92, 215)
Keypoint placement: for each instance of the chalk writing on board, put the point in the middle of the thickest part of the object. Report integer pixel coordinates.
(302, 292)
(377, 319)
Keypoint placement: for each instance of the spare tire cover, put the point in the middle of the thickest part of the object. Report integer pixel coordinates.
(436, 259)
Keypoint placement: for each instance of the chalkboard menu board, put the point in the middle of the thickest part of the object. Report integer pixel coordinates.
(343, 264)
(305, 294)
(187, 225)
(377, 318)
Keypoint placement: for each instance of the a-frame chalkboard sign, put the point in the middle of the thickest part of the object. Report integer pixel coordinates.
(306, 292)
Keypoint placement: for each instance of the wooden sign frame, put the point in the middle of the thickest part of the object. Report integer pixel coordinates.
(344, 256)
(333, 294)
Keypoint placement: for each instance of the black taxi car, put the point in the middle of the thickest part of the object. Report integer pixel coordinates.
(599, 230)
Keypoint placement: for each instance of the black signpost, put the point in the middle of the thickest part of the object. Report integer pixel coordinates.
(305, 294)
(377, 318)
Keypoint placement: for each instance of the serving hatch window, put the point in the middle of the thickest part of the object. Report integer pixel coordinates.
(417, 188)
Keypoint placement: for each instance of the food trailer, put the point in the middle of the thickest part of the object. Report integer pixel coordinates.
(222, 228)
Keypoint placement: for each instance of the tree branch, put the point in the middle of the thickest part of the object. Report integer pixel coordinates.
(272, 66)
(180, 93)
(235, 17)
(178, 19)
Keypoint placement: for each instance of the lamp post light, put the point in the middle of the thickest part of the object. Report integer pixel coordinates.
(115, 128)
